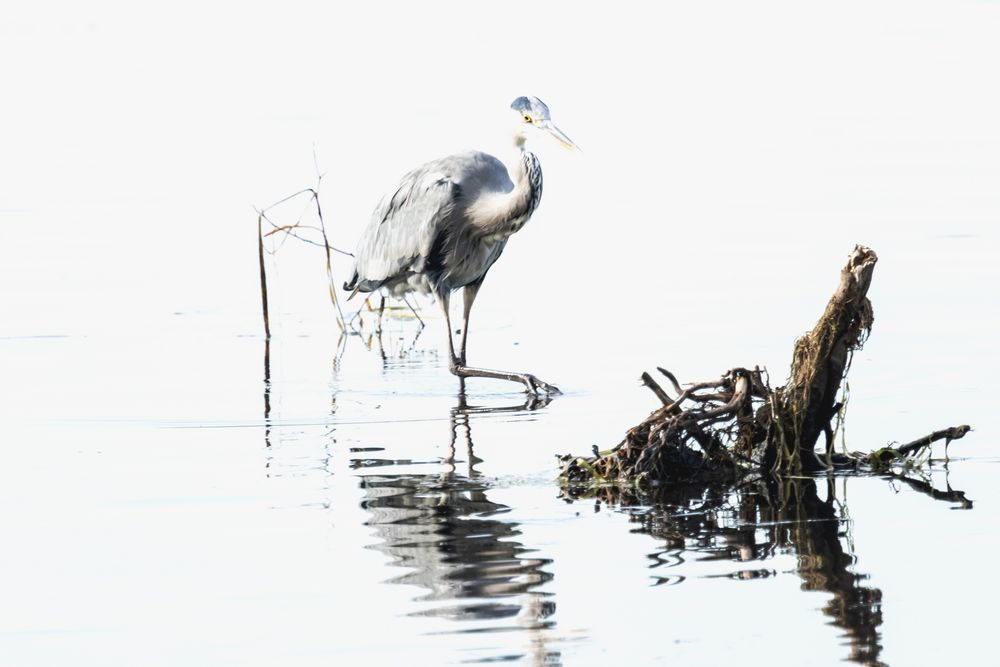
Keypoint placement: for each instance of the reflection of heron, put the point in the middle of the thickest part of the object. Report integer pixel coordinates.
(447, 223)
(458, 544)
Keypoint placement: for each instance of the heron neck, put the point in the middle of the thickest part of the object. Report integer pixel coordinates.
(502, 214)
(527, 177)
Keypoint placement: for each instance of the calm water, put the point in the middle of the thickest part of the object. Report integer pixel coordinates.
(323, 505)
(175, 492)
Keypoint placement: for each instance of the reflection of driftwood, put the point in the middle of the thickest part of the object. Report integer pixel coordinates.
(948, 495)
(812, 530)
(726, 428)
(752, 523)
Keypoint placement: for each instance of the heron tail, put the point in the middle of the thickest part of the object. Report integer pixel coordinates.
(352, 284)
(356, 284)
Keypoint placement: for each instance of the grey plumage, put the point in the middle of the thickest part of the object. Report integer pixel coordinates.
(434, 233)
(449, 220)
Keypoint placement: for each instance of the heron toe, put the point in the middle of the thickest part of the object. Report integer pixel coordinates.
(536, 386)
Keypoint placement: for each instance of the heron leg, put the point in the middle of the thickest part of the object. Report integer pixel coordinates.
(444, 300)
(457, 366)
(381, 312)
(468, 297)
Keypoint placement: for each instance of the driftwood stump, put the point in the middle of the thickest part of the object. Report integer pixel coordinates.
(803, 409)
(724, 429)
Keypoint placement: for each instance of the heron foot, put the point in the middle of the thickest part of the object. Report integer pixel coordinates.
(535, 386)
(532, 385)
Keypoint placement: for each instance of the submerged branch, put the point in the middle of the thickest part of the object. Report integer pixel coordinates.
(948, 434)
(883, 458)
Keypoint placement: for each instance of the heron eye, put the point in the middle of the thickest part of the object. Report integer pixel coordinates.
(527, 118)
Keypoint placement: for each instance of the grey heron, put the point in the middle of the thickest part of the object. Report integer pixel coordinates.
(449, 220)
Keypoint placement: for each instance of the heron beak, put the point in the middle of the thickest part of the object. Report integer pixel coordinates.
(565, 141)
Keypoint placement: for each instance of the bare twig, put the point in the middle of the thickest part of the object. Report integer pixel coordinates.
(687, 393)
(648, 380)
(329, 265)
(670, 376)
(263, 277)
(947, 434)
(326, 246)
(740, 394)
(290, 231)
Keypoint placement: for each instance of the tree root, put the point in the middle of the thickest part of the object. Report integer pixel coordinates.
(735, 426)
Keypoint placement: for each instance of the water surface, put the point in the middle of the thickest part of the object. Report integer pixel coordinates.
(366, 509)
(175, 491)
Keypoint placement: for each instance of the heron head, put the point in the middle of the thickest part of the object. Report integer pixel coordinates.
(532, 118)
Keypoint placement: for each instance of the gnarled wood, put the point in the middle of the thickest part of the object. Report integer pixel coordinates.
(802, 409)
(724, 429)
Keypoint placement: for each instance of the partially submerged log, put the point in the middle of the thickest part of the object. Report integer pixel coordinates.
(725, 429)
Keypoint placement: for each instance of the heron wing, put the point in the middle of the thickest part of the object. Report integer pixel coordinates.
(422, 216)
(404, 225)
